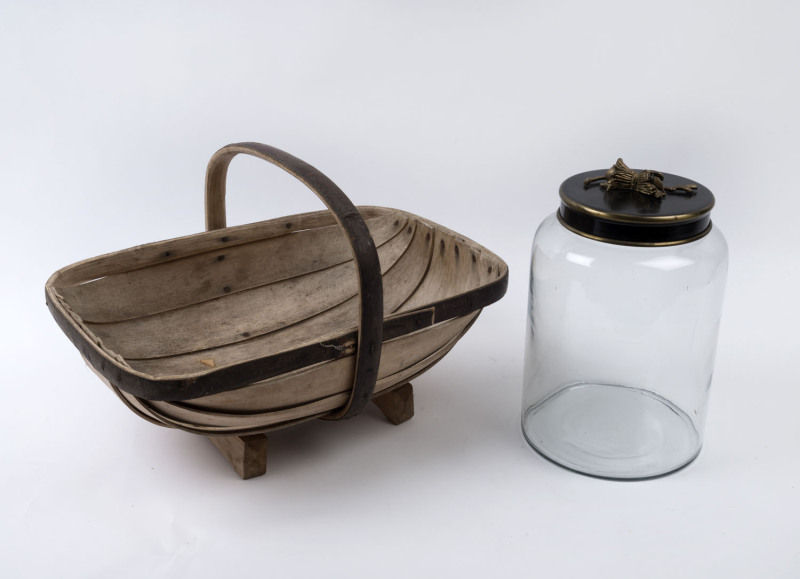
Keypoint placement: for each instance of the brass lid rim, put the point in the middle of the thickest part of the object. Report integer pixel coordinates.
(637, 219)
(631, 243)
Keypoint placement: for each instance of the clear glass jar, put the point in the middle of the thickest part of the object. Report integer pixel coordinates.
(622, 335)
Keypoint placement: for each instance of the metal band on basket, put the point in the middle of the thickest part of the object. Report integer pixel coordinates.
(365, 255)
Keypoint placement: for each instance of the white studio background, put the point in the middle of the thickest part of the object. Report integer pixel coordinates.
(470, 114)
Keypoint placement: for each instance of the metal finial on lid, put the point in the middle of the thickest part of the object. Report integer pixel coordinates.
(635, 207)
(647, 182)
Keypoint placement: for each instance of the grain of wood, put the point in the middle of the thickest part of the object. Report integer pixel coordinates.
(246, 454)
(330, 378)
(227, 421)
(200, 277)
(397, 404)
(400, 281)
(181, 313)
(243, 313)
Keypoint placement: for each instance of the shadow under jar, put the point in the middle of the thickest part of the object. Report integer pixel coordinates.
(624, 308)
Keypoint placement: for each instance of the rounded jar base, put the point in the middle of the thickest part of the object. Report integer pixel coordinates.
(611, 431)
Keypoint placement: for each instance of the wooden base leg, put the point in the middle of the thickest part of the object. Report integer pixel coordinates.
(246, 454)
(397, 405)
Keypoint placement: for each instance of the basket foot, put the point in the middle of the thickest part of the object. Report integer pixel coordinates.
(246, 454)
(397, 405)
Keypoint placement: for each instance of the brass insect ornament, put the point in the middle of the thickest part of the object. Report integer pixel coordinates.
(650, 183)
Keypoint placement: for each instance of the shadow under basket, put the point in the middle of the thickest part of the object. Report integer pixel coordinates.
(241, 330)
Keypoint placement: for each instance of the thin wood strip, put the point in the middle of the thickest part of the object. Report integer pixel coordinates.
(451, 272)
(247, 372)
(265, 365)
(148, 254)
(242, 314)
(329, 378)
(137, 405)
(201, 277)
(399, 282)
(186, 419)
(180, 247)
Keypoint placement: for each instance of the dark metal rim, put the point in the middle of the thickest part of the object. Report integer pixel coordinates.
(634, 233)
(246, 373)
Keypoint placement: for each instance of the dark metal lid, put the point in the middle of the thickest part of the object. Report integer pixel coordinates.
(629, 207)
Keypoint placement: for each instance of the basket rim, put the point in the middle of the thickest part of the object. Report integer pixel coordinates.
(216, 380)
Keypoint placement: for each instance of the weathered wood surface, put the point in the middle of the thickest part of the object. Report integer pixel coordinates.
(397, 405)
(429, 268)
(182, 247)
(401, 279)
(188, 309)
(245, 312)
(314, 391)
(246, 454)
(204, 276)
(365, 257)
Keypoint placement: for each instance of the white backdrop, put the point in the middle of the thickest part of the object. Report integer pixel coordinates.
(470, 114)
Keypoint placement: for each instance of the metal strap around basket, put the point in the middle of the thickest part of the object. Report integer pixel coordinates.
(365, 255)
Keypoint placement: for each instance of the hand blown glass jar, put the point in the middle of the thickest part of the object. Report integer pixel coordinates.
(627, 281)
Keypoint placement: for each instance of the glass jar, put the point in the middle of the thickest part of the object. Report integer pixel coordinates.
(624, 308)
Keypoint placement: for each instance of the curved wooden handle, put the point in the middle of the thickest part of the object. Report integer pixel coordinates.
(370, 284)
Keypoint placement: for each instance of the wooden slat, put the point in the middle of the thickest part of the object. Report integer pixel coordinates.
(214, 422)
(329, 378)
(456, 267)
(180, 247)
(240, 315)
(201, 277)
(399, 282)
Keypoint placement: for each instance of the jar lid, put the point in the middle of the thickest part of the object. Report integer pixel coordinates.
(631, 207)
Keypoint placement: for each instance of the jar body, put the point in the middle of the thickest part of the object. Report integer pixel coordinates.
(620, 351)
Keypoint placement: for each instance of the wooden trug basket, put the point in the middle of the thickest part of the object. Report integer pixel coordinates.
(241, 330)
